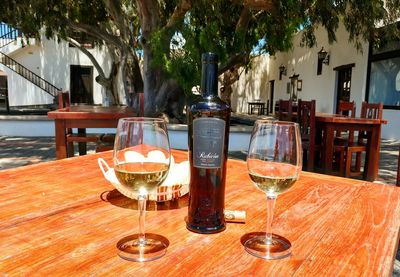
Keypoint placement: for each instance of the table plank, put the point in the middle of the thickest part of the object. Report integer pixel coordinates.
(54, 220)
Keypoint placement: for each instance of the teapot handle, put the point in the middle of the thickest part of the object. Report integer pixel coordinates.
(102, 164)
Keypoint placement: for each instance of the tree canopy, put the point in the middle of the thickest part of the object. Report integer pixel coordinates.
(156, 44)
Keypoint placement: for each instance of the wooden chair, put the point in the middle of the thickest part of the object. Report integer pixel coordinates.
(341, 143)
(371, 111)
(81, 137)
(306, 120)
(264, 110)
(64, 102)
(285, 112)
(346, 109)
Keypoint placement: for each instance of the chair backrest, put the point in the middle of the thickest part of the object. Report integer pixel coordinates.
(63, 99)
(371, 111)
(285, 110)
(347, 109)
(306, 120)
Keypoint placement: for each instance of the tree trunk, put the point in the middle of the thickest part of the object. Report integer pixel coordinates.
(152, 79)
(161, 95)
(171, 100)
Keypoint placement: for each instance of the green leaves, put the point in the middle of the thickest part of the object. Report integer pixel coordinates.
(225, 27)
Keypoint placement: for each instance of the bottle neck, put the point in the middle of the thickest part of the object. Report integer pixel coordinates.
(209, 79)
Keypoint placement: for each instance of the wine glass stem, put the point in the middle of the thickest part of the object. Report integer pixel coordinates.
(142, 198)
(270, 216)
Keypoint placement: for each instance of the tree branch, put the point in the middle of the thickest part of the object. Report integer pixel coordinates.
(236, 59)
(243, 22)
(114, 8)
(149, 16)
(89, 55)
(95, 32)
(266, 5)
(179, 12)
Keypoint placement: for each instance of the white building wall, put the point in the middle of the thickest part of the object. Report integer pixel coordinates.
(252, 85)
(392, 129)
(22, 92)
(51, 61)
(322, 88)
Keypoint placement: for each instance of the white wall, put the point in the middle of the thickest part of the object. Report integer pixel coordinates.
(251, 85)
(303, 61)
(392, 129)
(51, 61)
(22, 92)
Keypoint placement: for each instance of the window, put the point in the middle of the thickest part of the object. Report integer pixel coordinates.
(384, 85)
(384, 70)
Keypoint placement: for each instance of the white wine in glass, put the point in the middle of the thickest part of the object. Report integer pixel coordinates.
(274, 163)
(141, 163)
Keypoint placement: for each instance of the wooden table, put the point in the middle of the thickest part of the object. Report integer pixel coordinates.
(63, 218)
(327, 124)
(259, 106)
(82, 117)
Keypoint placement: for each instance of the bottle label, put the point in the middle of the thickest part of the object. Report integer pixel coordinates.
(208, 142)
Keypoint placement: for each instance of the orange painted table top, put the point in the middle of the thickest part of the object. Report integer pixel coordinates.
(63, 218)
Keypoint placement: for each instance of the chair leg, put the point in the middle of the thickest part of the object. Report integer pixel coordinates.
(70, 149)
(82, 145)
(349, 156)
(310, 160)
(342, 163)
(358, 162)
(304, 158)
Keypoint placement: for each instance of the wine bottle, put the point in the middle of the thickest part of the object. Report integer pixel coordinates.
(208, 125)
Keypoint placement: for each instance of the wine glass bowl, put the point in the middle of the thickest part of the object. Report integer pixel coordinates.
(141, 163)
(138, 174)
(274, 163)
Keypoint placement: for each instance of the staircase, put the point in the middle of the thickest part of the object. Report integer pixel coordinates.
(28, 75)
(9, 35)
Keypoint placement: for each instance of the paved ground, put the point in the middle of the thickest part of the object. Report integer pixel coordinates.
(21, 151)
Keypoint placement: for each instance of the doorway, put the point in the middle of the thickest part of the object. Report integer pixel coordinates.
(343, 84)
(81, 85)
(271, 96)
(4, 92)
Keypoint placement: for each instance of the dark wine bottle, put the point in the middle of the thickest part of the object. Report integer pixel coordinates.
(208, 124)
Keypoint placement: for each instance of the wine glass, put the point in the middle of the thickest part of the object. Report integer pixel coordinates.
(141, 163)
(274, 162)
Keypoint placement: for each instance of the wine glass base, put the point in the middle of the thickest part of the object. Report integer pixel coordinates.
(276, 248)
(152, 248)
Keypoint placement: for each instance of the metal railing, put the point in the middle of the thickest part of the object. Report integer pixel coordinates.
(28, 74)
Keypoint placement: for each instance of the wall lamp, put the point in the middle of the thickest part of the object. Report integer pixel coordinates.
(323, 56)
(282, 71)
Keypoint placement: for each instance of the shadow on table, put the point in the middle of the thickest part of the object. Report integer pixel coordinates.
(115, 198)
